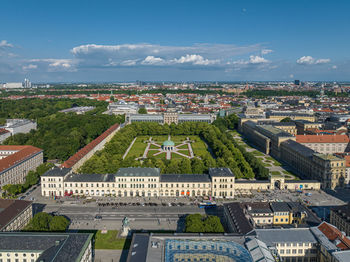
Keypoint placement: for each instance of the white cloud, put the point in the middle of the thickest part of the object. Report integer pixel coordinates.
(129, 62)
(151, 60)
(266, 51)
(195, 60)
(334, 67)
(257, 60)
(29, 67)
(322, 61)
(4, 43)
(53, 64)
(309, 60)
(93, 55)
(291, 76)
(252, 60)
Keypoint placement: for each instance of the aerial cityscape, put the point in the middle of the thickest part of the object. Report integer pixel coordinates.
(174, 131)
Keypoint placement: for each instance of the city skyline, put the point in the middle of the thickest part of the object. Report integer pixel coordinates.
(174, 41)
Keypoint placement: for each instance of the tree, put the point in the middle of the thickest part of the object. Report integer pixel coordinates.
(45, 222)
(40, 222)
(142, 110)
(185, 167)
(58, 223)
(197, 223)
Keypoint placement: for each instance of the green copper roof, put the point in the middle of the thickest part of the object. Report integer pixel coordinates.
(168, 143)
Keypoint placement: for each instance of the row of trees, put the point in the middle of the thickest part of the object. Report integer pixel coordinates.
(267, 93)
(46, 222)
(104, 91)
(61, 135)
(38, 108)
(109, 160)
(257, 166)
(197, 223)
(31, 179)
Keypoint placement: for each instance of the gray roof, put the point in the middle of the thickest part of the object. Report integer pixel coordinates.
(249, 181)
(297, 147)
(138, 171)
(152, 117)
(279, 207)
(237, 218)
(259, 251)
(138, 248)
(342, 256)
(56, 171)
(58, 247)
(90, 178)
(194, 116)
(220, 171)
(290, 235)
(301, 181)
(195, 178)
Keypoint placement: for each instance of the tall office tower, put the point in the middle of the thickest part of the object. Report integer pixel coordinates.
(27, 83)
(297, 82)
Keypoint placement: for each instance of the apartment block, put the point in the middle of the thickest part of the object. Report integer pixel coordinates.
(14, 214)
(17, 161)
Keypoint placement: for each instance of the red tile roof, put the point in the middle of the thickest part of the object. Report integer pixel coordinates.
(24, 152)
(322, 139)
(11, 209)
(333, 233)
(86, 149)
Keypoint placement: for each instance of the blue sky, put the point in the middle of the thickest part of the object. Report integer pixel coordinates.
(50, 41)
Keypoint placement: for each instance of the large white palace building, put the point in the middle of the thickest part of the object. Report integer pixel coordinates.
(137, 181)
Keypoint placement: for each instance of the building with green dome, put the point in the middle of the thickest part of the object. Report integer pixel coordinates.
(168, 145)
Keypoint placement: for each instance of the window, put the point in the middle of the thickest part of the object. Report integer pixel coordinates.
(282, 251)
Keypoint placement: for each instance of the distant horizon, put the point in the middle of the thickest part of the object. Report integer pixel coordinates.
(72, 41)
(186, 82)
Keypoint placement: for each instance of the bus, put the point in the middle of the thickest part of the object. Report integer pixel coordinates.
(207, 204)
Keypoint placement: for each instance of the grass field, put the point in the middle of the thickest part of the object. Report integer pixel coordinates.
(198, 147)
(110, 240)
(138, 148)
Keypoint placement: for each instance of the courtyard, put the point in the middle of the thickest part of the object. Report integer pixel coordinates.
(166, 147)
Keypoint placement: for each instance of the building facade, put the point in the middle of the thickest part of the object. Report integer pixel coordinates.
(329, 169)
(139, 182)
(17, 161)
(340, 217)
(136, 181)
(170, 117)
(30, 247)
(14, 214)
(325, 144)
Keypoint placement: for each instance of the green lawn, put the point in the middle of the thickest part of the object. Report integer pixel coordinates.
(154, 147)
(257, 153)
(183, 147)
(138, 147)
(276, 173)
(110, 240)
(198, 147)
(159, 139)
(137, 150)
